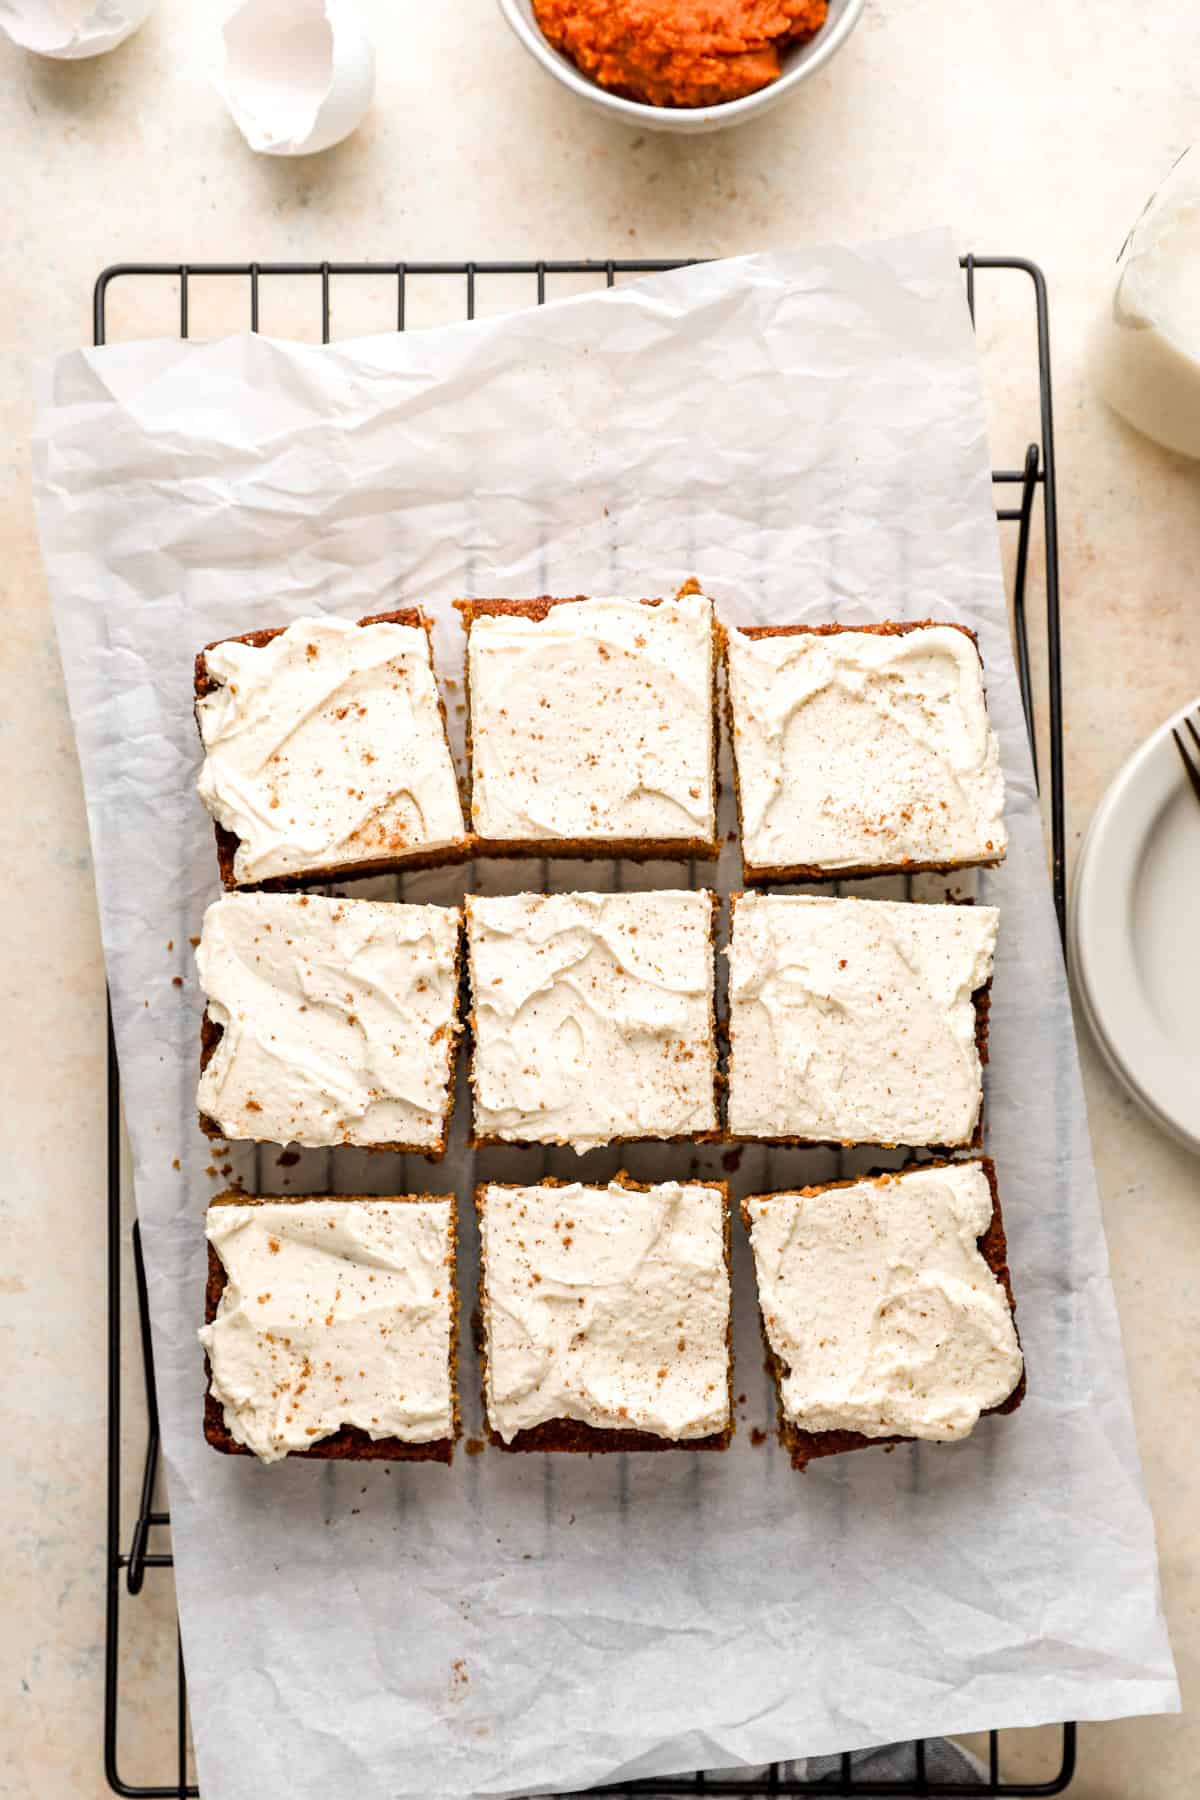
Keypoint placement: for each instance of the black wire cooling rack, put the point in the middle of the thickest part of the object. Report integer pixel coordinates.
(1018, 491)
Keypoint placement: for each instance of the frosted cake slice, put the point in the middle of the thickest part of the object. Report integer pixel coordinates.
(329, 1021)
(887, 1307)
(592, 1017)
(325, 751)
(858, 1021)
(605, 1315)
(862, 750)
(331, 1327)
(593, 726)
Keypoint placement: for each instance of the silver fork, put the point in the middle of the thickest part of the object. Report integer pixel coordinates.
(1191, 763)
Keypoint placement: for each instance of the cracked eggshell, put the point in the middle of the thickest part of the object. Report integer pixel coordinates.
(298, 75)
(71, 29)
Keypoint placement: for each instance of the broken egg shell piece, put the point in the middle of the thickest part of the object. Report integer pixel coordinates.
(70, 30)
(298, 75)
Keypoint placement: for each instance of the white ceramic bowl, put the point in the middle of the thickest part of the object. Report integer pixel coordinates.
(798, 65)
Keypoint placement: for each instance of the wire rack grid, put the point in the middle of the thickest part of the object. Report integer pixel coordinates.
(1018, 493)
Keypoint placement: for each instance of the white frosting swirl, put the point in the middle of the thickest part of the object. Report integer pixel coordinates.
(594, 722)
(339, 1019)
(334, 1312)
(608, 1306)
(862, 749)
(592, 1016)
(880, 1307)
(851, 1021)
(326, 746)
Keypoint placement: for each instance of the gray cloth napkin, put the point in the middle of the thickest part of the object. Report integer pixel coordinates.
(945, 1761)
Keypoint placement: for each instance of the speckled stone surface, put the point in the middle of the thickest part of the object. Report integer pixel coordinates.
(1039, 135)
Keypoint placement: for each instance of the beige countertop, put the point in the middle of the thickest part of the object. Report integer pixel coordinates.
(1034, 131)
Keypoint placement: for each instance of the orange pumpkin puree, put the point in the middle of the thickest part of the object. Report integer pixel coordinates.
(679, 52)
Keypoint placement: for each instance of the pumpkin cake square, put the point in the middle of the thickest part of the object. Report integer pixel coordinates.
(858, 1021)
(331, 1327)
(325, 752)
(593, 726)
(592, 1017)
(329, 1021)
(862, 750)
(605, 1315)
(887, 1307)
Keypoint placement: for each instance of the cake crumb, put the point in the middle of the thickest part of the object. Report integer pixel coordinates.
(474, 1446)
(758, 1437)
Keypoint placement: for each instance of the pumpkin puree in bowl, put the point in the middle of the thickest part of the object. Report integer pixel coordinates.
(679, 52)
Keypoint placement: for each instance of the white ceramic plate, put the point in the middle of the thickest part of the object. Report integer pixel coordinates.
(1135, 933)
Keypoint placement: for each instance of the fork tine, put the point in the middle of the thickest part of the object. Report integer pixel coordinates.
(1193, 773)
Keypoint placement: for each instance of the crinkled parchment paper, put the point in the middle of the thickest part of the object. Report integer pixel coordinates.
(804, 433)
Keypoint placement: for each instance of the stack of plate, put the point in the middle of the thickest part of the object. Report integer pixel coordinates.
(1135, 933)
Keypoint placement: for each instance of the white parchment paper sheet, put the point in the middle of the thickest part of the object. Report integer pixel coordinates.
(805, 433)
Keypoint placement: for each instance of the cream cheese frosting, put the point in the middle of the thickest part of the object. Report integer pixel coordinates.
(852, 1021)
(884, 1315)
(608, 1306)
(334, 1312)
(326, 746)
(595, 722)
(862, 749)
(338, 1019)
(592, 1016)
